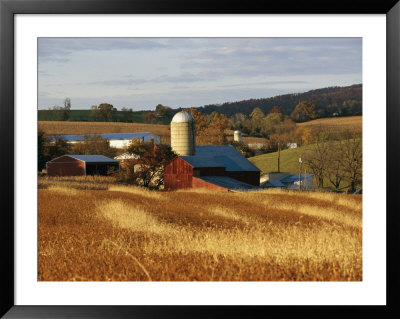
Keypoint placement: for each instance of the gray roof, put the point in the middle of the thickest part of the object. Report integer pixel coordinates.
(274, 183)
(196, 161)
(111, 136)
(220, 156)
(295, 178)
(228, 182)
(93, 158)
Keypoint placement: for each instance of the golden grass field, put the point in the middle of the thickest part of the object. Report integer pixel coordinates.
(65, 128)
(93, 229)
(335, 123)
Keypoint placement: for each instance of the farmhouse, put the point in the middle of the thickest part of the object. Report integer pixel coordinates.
(80, 165)
(220, 168)
(126, 156)
(117, 140)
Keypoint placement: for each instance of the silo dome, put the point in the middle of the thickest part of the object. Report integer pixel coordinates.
(183, 134)
(182, 117)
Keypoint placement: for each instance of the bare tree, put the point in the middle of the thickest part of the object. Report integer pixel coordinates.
(66, 110)
(351, 158)
(335, 172)
(317, 158)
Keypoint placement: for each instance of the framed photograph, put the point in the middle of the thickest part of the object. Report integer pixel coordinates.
(241, 53)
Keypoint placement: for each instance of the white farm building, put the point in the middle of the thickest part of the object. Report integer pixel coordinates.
(117, 140)
(287, 180)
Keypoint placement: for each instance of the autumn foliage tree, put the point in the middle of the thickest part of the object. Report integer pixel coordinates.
(304, 111)
(276, 109)
(94, 144)
(147, 169)
(149, 118)
(210, 129)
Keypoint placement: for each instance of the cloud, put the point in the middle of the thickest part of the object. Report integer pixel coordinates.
(186, 77)
(117, 82)
(60, 49)
(279, 56)
(262, 83)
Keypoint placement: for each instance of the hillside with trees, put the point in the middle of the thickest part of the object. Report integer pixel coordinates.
(341, 100)
(325, 102)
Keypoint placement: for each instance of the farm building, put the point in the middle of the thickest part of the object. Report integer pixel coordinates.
(117, 140)
(220, 167)
(126, 156)
(80, 165)
(287, 180)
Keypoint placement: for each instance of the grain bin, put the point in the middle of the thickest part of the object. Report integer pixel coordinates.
(183, 134)
(237, 136)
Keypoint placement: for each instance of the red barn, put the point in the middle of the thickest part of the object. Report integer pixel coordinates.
(80, 165)
(221, 168)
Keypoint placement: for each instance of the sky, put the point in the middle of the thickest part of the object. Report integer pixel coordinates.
(140, 73)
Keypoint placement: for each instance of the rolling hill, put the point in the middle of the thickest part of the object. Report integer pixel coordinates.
(327, 101)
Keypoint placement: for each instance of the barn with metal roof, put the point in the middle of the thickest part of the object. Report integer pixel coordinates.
(80, 165)
(213, 167)
(218, 167)
(117, 140)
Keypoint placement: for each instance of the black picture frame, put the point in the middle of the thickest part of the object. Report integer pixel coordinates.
(8, 8)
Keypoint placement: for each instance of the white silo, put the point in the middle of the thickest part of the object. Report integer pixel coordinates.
(237, 136)
(183, 134)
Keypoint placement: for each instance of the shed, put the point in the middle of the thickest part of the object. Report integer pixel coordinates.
(80, 165)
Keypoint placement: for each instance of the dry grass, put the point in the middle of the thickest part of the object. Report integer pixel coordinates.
(76, 182)
(335, 123)
(126, 233)
(65, 128)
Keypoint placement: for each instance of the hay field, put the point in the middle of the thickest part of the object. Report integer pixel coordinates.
(352, 123)
(246, 139)
(65, 128)
(126, 233)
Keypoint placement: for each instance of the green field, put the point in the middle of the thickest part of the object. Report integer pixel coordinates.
(84, 116)
(289, 160)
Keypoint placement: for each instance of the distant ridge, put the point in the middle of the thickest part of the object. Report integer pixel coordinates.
(326, 100)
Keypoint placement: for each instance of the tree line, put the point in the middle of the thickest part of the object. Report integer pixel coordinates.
(276, 127)
(328, 101)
